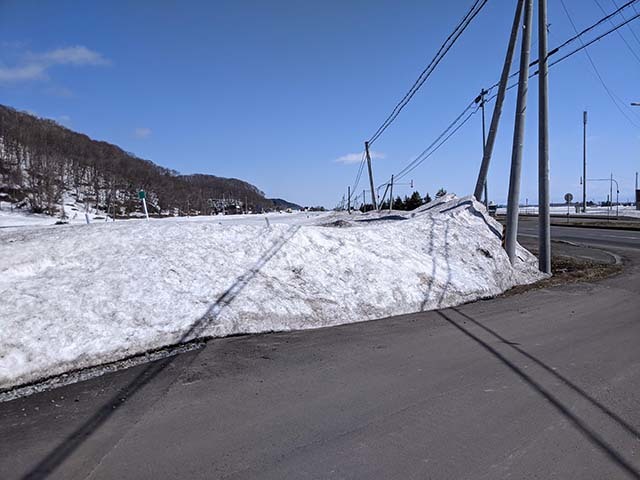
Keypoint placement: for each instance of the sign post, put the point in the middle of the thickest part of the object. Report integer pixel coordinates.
(142, 196)
(568, 198)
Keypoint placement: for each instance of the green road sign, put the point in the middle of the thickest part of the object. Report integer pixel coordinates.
(141, 194)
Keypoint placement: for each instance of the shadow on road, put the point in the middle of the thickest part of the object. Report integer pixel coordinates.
(614, 416)
(582, 427)
(73, 441)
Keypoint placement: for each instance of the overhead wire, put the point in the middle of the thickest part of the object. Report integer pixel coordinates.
(593, 65)
(634, 54)
(628, 27)
(426, 73)
(451, 129)
(427, 153)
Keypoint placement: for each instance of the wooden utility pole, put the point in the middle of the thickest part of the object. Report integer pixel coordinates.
(391, 195)
(544, 218)
(518, 134)
(373, 190)
(349, 199)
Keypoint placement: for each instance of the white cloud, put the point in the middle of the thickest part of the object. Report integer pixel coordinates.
(77, 55)
(34, 66)
(21, 73)
(142, 132)
(350, 158)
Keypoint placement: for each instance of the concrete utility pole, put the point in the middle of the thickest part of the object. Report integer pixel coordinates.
(497, 109)
(391, 194)
(373, 190)
(483, 92)
(518, 134)
(544, 217)
(584, 162)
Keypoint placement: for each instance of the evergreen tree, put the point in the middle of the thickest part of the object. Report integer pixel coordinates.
(414, 201)
(441, 193)
(427, 198)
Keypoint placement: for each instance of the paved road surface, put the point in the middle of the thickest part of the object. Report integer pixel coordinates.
(544, 384)
(626, 239)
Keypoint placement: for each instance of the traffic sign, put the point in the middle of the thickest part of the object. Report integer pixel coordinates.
(568, 197)
(141, 194)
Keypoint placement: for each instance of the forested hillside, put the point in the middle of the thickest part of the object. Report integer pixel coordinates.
(40, 161)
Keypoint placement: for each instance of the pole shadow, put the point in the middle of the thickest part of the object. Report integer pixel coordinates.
(74, 440)
(591, 435)
(603, 408)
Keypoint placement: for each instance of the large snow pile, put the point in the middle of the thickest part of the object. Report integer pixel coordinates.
(82, 295)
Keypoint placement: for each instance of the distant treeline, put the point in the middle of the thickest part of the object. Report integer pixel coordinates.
(40, 159)
(407, 203)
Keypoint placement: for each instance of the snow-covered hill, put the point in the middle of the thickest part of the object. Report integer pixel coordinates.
(81, 295)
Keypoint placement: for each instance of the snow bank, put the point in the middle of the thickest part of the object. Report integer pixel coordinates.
(75, 213)
(623, 211)
(82, 295)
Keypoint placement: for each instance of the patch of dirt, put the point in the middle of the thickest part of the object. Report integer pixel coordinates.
(605, 224)
(337, 223)
(569, 270)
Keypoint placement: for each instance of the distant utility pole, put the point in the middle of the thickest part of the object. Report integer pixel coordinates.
(584, 162)
(518, 134)
(497, 109)
(637, 193)
(373, 190)
(349, 199)
(544, 217)
(391, 192)
(364, 201)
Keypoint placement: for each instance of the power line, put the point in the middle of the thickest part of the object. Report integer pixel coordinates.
(633, 52)
(427, 153)
(629, 28)
(359, 174)
(630, 3)
(426, 73)
(578, 35)
(595, 69)
(419, 160)
(450, 128)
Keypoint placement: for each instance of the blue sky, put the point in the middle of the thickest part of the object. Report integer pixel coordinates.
(283, 93)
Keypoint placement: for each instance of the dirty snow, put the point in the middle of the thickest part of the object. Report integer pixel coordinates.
(80, 295)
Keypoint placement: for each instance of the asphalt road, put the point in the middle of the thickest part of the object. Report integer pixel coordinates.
(599, 237)
(544, 384)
